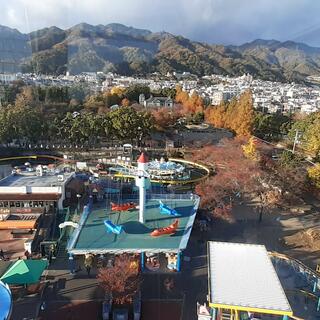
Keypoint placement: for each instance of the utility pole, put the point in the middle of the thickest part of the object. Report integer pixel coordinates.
(296, 140)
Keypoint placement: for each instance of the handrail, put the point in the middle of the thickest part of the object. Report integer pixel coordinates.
(166, 181)
(74, 236)
(299, 263)
(315, 277)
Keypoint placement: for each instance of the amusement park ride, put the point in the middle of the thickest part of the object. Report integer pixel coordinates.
(164, 209)
(143, 182)
(123, 207)
(172, 229)
(112, 227)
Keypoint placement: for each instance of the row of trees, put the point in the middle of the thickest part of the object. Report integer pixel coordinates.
(239, 116)
(47, 114)
(236, 115)
(78, 94)
(27, 124)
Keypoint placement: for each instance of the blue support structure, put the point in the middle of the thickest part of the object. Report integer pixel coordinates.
(318, 305)
(142, 261)
(179, 261)
(285, 317)
(213, 313)
(315, 285)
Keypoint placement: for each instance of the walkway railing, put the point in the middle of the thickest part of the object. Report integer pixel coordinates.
(85, 213)
(311, 277)
(298, 266)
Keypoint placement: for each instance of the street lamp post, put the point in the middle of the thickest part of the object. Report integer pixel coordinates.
(296, 140)
(78, 204)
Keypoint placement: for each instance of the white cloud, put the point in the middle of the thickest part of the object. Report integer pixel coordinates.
(224, 21)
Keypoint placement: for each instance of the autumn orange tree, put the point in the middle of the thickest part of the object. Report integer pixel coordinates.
(125, 102)
(122, 280)
(217, 115)
(234, 175)
(165, 117)
(190, 104)
(119, 91)
(236, 115)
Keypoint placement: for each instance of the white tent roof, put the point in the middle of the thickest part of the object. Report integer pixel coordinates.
(242, 275)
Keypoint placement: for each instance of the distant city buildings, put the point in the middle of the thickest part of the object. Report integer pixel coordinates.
(268, 96)
(7, 77)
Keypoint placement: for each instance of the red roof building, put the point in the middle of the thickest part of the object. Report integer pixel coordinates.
(143, 158)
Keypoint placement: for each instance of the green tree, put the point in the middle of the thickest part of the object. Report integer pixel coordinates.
(79, 91)
(312, 138)
(314, 175)
(289, 159)
(129, 124)
(32, 124)
(308, 129)
(22, 123)
(8, 128)
(270, 126)
(132, 93)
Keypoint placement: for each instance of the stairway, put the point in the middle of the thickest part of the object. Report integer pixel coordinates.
(62, 250)
(226, 315)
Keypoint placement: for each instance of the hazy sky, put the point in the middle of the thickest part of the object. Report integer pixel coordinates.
(213, 21)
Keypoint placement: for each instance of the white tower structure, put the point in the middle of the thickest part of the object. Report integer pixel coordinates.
(143, 182)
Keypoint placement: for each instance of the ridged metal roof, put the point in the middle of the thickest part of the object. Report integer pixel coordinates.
(243, 275)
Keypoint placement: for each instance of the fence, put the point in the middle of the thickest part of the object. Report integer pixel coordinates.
(310, 275)
(74, 236)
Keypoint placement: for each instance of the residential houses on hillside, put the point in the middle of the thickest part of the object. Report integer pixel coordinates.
(268, 96)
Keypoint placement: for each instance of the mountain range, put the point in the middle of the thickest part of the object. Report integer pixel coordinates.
(127, 50)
